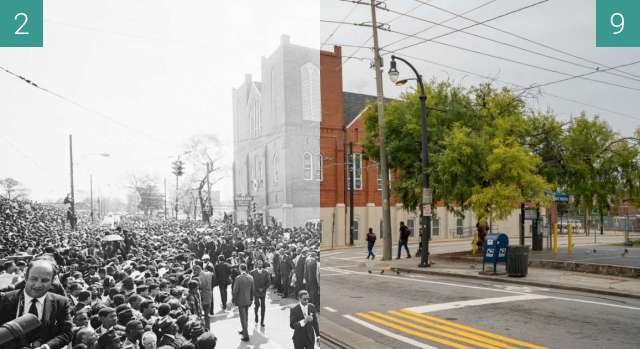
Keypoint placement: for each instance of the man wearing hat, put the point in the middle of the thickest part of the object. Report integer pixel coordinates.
(134, 331)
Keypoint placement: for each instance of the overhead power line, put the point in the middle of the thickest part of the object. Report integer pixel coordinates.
(472, 25)
(81, 106)
(440, 23)
(521, 37)
(530, 65)
(520, 86)
(591, 68)
(355, 6)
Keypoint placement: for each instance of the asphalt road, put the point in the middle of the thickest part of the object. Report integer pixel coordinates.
(415, 311)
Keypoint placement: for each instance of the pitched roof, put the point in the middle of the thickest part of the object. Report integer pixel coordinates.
(354, 104)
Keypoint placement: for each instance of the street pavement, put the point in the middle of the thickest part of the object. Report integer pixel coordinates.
(275, 335)
(427, 311)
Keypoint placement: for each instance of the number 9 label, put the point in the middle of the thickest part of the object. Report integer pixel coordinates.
(21, 23)
(617, 23)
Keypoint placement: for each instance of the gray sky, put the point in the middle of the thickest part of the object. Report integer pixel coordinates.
(568, 25)
(152, 72)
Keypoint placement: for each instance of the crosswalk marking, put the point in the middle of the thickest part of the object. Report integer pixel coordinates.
(390, 334)
(474, 330)
(453, 330)
(437, 332)
(414, 333)
(473, 302)
(331, 309)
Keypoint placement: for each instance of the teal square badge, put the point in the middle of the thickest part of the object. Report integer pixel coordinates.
(617, 23)
(21, 23)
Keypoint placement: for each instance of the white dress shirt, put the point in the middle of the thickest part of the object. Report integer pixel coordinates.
(305, 313)
(39, 304)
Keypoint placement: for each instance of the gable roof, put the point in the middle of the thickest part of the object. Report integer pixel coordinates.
(354, 104)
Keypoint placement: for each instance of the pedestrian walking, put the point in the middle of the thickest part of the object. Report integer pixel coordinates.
(243, 293)
(262, 280)
(371, 241)
(404, 239)
(223, 277)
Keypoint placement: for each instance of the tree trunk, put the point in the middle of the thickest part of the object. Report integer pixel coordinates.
(601, 222)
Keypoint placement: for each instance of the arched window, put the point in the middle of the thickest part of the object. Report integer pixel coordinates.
(276, 168)
(307, 165)
(310, 87)
(319, 168)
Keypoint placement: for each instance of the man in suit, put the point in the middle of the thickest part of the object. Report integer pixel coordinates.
(303, 320)
(52, 310)
(262, 280)
(299, 262)
(243, 293)
(205, 279)
(312, 283)
(223, 276)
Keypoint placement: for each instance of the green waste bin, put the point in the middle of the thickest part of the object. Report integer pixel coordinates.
(518, 261)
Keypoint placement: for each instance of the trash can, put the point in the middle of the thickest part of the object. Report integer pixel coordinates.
(518, 261)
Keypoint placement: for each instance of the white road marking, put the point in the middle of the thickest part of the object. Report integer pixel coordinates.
(348, 258)
(337, 270)
(331, 309)
(335, 274)
(482, 301)
(596, 303)
(375, 274)
(387, 333)
(489, 289)
(523, 289)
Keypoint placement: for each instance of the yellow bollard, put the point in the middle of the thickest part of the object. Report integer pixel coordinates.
(569, 242)
(555, 239)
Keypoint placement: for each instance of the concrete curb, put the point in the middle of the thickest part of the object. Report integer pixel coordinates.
(591, 268)
(340, 336)
(520, 282)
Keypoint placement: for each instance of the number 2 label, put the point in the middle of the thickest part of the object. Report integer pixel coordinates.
(26, 19)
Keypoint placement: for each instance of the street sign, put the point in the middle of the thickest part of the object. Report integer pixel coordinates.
(427, 197)
(243, 200)
(560, 197)
(530, 214)
(426, 210)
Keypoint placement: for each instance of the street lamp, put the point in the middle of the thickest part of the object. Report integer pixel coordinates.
(425, 204)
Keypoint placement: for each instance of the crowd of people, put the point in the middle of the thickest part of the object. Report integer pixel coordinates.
(151, 284)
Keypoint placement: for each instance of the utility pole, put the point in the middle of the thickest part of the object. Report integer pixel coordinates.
(165, 199)
(91, 191)
(351, 187)
(73, 202)
(386, 213)
(210, 208)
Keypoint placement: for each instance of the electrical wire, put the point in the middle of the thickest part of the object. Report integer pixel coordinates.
(443, 22)
(524, 38)
(355, 6)
(81, 106)
(607, 71)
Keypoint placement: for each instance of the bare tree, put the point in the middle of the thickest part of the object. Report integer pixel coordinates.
(204, 156)
(13, 188)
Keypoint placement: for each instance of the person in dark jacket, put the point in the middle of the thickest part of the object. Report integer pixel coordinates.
(404, 239)
(223, 277)
(303, 320)
(371, 241)
(262, 280)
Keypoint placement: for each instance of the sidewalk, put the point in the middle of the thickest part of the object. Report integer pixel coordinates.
(544, 278)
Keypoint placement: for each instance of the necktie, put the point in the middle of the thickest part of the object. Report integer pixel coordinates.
(33, 309)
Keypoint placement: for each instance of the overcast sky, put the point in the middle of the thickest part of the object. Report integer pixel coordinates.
(152, 73)
(567, 25)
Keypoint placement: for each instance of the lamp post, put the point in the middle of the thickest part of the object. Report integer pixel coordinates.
(425, 203)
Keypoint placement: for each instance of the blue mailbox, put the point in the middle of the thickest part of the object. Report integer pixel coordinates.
(495, 249)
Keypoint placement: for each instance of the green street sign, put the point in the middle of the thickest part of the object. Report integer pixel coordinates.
(21, 23)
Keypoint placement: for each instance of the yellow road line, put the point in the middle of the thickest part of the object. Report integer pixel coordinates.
(434, 331)
(453, 330)
(474, 330)
(413, 333)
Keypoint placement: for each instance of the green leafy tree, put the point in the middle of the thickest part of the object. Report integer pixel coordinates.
(477, 160)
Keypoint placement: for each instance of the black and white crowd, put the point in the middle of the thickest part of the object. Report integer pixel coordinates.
(147, 283)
